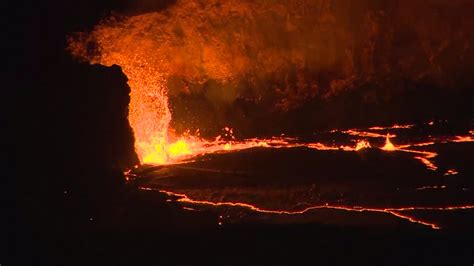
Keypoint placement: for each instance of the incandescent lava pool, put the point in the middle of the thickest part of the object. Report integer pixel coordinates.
(412, 175)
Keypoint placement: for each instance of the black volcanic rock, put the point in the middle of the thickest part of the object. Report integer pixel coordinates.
(72, 138)
(75, 142)
(87, 119)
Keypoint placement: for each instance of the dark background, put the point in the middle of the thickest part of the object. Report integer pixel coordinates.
(71, 142)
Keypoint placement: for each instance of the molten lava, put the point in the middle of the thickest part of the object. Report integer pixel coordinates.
(388, 144)
(363, 144)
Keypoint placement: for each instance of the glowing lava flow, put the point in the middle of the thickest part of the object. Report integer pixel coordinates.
(183, 198)
(187, 147)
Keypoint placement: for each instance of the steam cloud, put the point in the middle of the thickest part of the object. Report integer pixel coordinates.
(282, 53)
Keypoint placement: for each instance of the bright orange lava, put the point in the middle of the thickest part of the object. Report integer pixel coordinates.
(388, 144)
(187, 147)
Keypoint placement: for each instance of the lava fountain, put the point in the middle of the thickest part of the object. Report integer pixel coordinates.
(221, 41)
(229, 42)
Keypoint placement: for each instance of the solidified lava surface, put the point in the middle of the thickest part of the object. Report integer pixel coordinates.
(300, 184)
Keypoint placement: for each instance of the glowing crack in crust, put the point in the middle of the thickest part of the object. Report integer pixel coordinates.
(189, 147)
(183, 198)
